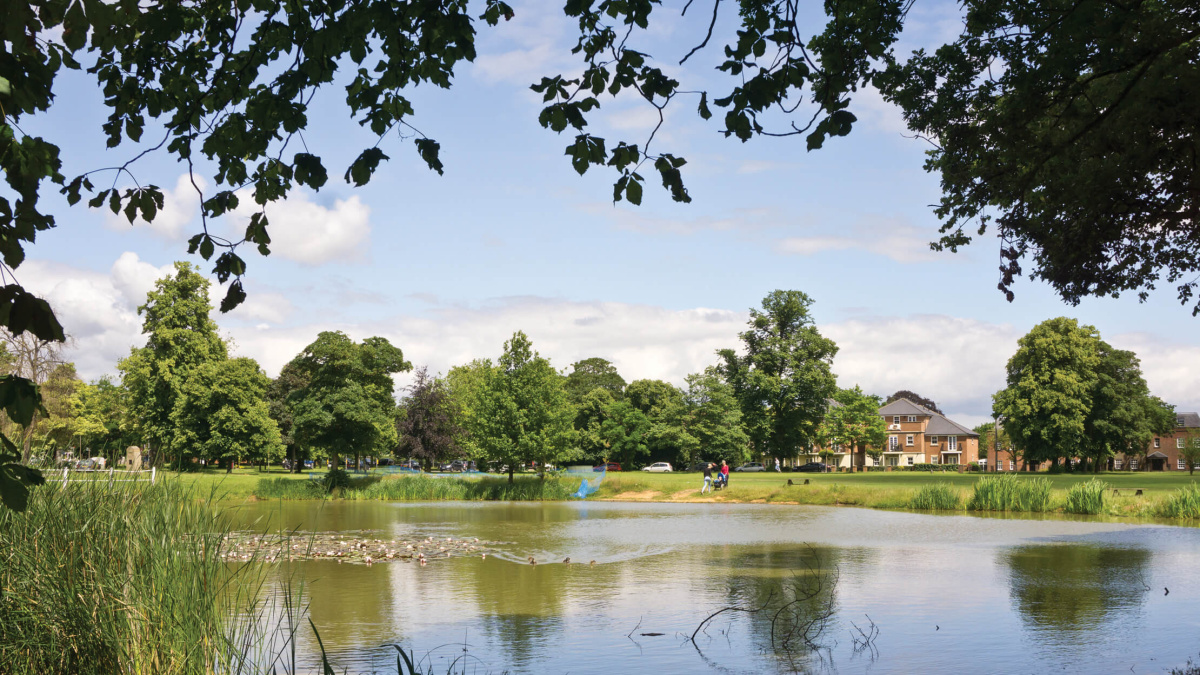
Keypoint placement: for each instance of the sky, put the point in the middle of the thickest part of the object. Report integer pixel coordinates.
(511, 238)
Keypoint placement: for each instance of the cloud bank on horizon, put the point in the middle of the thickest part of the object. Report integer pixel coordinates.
(957, 362)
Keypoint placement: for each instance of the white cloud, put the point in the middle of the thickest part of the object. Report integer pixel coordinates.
(309, 233)
(180, 207)
(98, 310)
(523, 50)
(1169, 367)
(877, 114)
(959, 363)
(892, 238)
(266, 307)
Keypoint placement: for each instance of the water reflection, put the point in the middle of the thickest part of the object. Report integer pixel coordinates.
(1069, 589)
(950, 594)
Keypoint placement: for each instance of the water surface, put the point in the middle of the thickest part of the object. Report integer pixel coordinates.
(949, 594)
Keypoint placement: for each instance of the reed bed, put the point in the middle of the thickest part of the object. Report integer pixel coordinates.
(1183, 503)
(936, 497)
(120, 578)
(1007, 492)
(1087, 498)
(424, 488)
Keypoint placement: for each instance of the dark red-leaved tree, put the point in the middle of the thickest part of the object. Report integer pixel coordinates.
(429, 429)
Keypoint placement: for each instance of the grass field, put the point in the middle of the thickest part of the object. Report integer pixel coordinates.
(894, 490)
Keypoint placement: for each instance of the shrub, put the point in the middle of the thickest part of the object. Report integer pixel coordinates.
(1087, 497)
(935, 497)
(1008, 492)
(424, 488)
(1183, 503)
(336, 478)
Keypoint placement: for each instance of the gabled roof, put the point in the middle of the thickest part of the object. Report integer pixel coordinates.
(1189, 420)
(939, 425)
(903, 406)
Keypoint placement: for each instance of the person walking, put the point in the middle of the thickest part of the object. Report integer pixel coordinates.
(708, 467)
(776, 465)
(724, 474)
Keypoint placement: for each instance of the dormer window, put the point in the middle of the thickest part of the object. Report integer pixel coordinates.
(912, 418)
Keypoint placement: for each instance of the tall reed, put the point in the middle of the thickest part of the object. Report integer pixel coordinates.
(425, 488)
(118, 578)
(1008, 492)
(935, 497)
(1087, 497)
(1183, 503)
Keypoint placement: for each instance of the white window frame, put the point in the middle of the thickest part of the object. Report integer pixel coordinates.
(893, 442)
(1116, 464)
(1133, 463)
(1181, 465)
(933, 440)
(1180, 443)
(1158, 442)
(1012, 466)
(1196, 442)
(933, 459)
(908, 440)
(952, 442)
(895, 419)
(910, 460)
(912, 418)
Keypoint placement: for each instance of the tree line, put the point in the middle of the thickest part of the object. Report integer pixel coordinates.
(186, 400)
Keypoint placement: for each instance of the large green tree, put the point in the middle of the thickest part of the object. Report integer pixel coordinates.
(182, 337)
(223, 415)
(712, 420)
(466, 384)
(1124, 417)
(290, 380)
(784, 378)
(856, 423)
(345, 405)
(522, 413)
(593, 373)
(1051, 379)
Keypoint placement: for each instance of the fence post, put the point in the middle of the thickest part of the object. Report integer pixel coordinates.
(153, 469)
(64, 485)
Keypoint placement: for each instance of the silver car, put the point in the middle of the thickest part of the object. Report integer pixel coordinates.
(751, 466)
(658, 467)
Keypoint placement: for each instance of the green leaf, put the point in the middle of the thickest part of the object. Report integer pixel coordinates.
(428, 149)
(309, 170)
(364, 166)
(633, 192)
(233, 297)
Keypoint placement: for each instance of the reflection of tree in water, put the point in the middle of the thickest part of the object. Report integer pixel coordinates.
(522, 607)
(1075, 588)
(786, 598)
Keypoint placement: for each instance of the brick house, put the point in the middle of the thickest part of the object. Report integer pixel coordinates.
(1164, 453)
(916, 435)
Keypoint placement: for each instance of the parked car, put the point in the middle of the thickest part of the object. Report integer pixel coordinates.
(751, 466)
(658, 467)
(814, 467)
(611, 466)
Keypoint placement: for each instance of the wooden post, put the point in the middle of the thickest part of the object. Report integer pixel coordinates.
(64, 485)
(153, 473)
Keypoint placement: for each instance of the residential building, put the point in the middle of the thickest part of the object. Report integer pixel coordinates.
(1164, 452)
(916, 435)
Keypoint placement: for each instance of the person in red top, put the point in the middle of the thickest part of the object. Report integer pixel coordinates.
(724, 474)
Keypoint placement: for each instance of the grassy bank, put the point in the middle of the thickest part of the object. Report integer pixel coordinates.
(117, 578)
(1164, 495)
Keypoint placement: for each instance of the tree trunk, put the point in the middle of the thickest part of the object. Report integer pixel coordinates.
(510, 472)
(27, 440)
(229, 465)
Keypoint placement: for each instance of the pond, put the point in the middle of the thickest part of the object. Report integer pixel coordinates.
(946, 594)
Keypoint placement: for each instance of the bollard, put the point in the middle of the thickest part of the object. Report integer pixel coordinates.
(153, 469)
(64, 485)
(1138, 493)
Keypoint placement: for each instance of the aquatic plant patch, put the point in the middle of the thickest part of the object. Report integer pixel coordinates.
(1087, 498)
(355, 547)
(936, 497)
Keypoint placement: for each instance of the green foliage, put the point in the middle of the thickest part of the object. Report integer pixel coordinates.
(427, 421)
(785, 378)
(335, 479)
(520, 412)
(1051, 383)
(712, 419)
(1009, 492)
(1086, 498)
(118, 578)
(1124, 417)
(345, 404)
(936, 497)
(854, 423)
(182, 337)
(423, 488)
(1182, 503)
(590, 374)
(1190, 452)
(290, 488)
(222, 413)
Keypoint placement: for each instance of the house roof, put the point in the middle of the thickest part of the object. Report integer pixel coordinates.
(903, 406)
(939, 425)
(1189, 420)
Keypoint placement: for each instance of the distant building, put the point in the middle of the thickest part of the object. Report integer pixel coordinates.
(1165, 452)
(916, 435)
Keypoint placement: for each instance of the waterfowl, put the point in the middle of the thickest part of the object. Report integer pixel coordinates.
(532, 561)
(567, 560)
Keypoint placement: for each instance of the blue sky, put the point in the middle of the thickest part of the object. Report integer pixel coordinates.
(510, 238)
